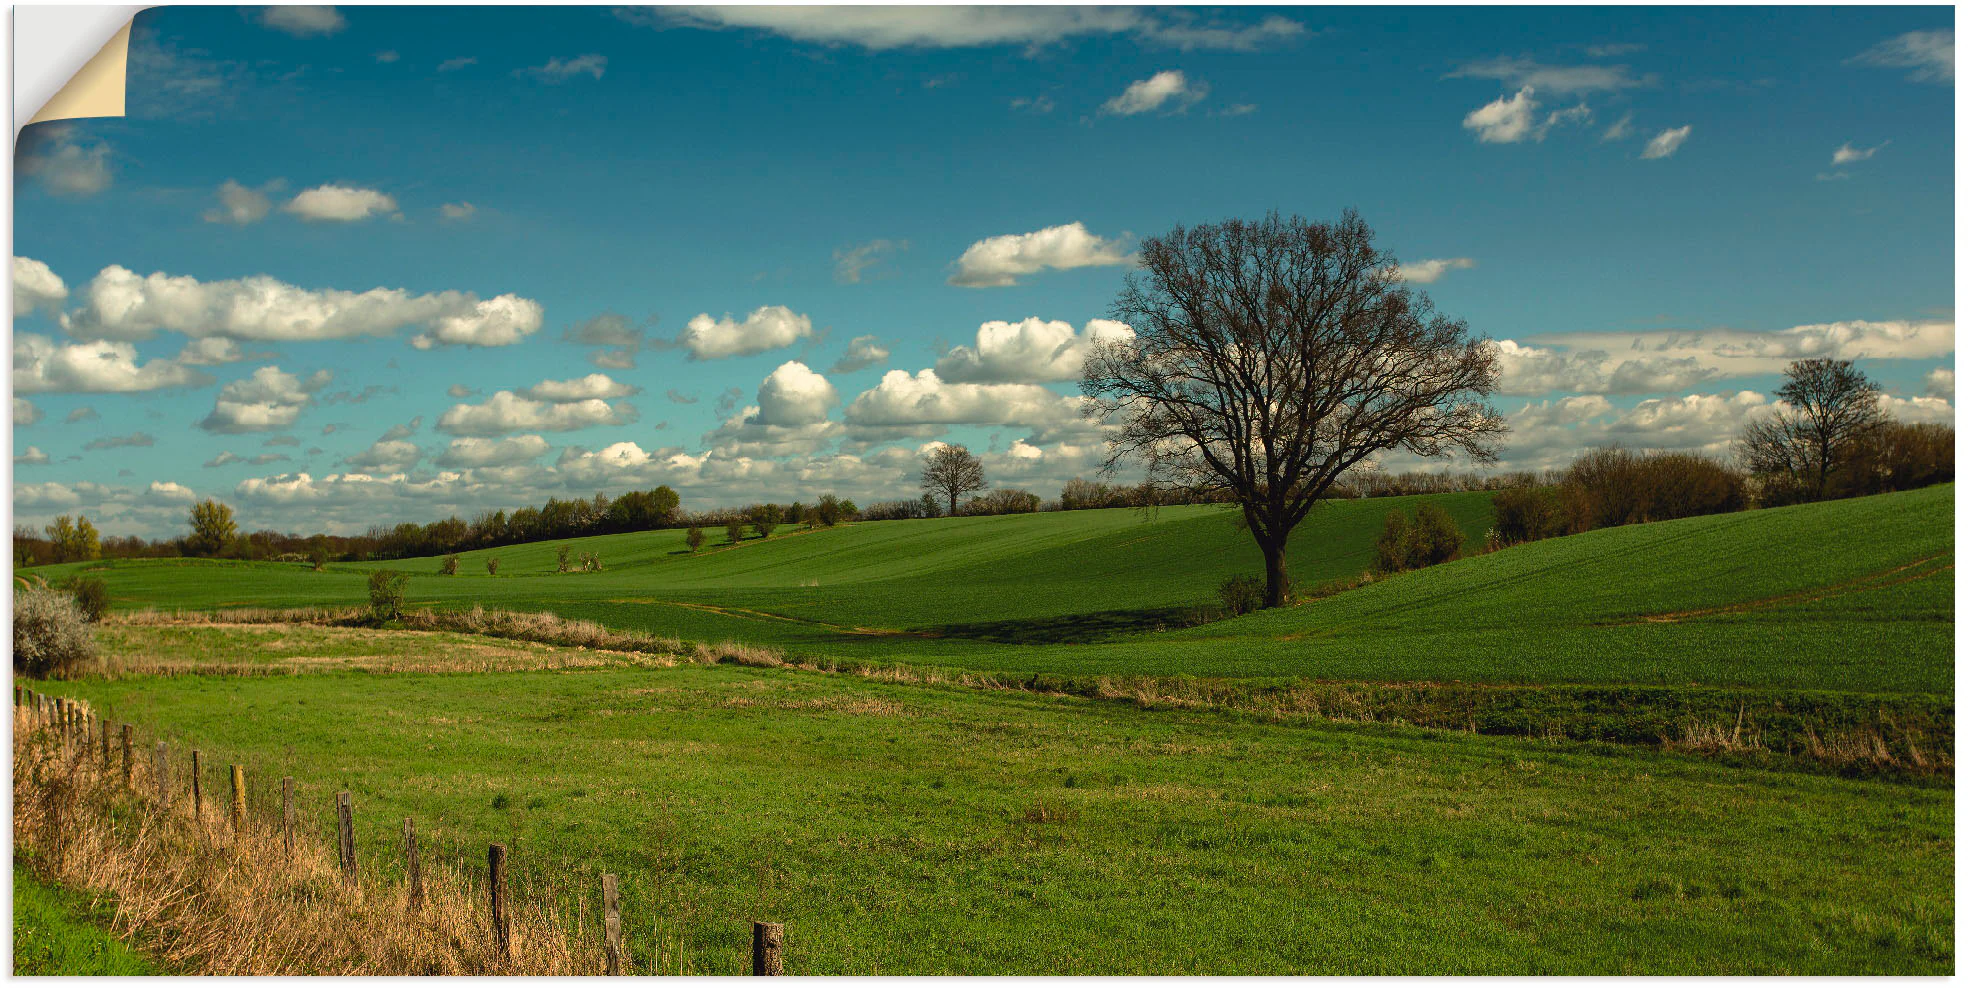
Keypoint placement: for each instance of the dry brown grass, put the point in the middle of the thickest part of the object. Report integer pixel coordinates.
(203, 899)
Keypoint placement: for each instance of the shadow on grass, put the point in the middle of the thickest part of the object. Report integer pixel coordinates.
(1073, 629)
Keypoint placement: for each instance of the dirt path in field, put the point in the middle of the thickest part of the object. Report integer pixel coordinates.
(740, 612)
(1919, 569)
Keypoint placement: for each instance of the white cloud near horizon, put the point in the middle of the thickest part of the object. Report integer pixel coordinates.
(998, 262)
(507, 412)
(1031, 351)
(1431, 270)
(43, 366)
(270, 400)
(768, 327)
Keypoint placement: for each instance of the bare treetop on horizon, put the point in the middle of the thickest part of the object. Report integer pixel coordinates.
(1272, 356)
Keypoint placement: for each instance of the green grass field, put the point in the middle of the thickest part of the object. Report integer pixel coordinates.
(912, 829)
(1848, 595)
(60, 932)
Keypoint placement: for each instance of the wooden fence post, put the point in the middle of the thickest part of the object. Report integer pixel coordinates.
(611, 923)
(345, 824)
(129, 763)
(495, 866)
(105, 747)
(238, 799)
(197, 787)
(413, 870)
(767, 939)
(157, 769)
(287, 812)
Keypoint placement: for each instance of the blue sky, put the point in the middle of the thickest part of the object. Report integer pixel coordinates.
(298, 276)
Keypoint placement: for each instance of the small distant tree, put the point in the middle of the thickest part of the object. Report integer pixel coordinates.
(1391, 549)
(950, 472)
(386, 594)
(830, 511)
(1830, 408)
(449, 567)
(765, 517)
(492, 566)
(318, 554)
(931, 507)
(212, 528)
(734, 530)
(91, 597)
(1435, 538)
(694, 538)
(560, 557)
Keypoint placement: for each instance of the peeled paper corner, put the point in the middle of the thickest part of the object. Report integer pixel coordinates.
(47, 41)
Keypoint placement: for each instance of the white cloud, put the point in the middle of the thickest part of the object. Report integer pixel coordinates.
(902, 403)
(120, 304)
(52, 155)
(1940, 383)
(210, 351)
(169, 492)
(1168, 88)
(1428, 272)
(303, 21)
(850, 263)
(558, 70)
(1846, 153)
(25, 412)
(456, 212)
(506, 412)
(36, 286)
(882, 28)
(862, 352)
(794, 395)
(42, 365)
(31, 457)
(1619, 131)
(388, 455)
(239, 205)
(1506, 120)
(341, 204)
(579, 389)
(1930, 54)
(477, 452)
(135, 440)
(1028, 352)
(404, 430)
(268, 401)
(996, 262)
(1561, 80)
(1665, 143)
(769, 327)
(1641, 363)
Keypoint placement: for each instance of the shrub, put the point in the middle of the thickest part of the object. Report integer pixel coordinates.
(1391, 549)
(1241, 595)
(694, 539)
(765, 517)
(1609, 487)
(931, 507)
(561, 553)
(1527, 514)
(386, 594)
(832, 511)
(318, 557)
(492, 566)
(591, 562)
(734, 530)
(1435, 537)
(893, 511)
(1898, 456)
(51, 635)
(1003, 501)
(91, 596)
(449, 567)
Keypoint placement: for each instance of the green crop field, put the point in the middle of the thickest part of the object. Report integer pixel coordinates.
(916, 829)
(1847, 595)
(60, 932)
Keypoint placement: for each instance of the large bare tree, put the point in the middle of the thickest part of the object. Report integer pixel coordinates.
(951, 472)
(1831, 408)
(1271, 356)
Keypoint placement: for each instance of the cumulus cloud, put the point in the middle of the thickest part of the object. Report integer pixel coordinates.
(1027, 352)
(1515, 118)
(1940, 383)
(341, 204)
(507, 412)
(1560, 80)
(617, 339)
(1846, 153)
(80, 413)
(580, 389)
(25, 412)
(1665, 143)
(559, 70)
(119, 304)
(267, 401)
(1430, 271)
(31, 457)
(1640, 363)
(303, 21)
(42, 365)
(240, 205)
(133, 440)
(213, 350)
(862, 352)
(476, 452)
(36, 286)
(62, 161)
(883, 28)
(1930, 54)
(794, 395)
(387, 455)
(904, 404)
(404, 430)
(996, 262)
(769, 327)
(1168, 89)
(852, 263)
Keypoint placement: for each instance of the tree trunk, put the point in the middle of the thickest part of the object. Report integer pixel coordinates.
(1275, 580)
(953, 502)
